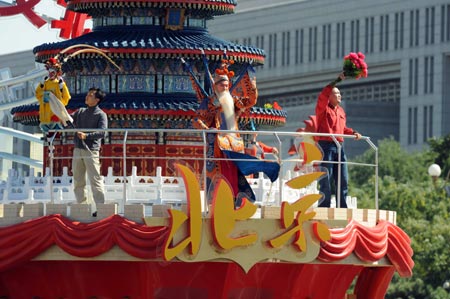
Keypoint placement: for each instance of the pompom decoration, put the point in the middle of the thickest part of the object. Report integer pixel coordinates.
(223, 70)
(268, 106)
(276, 106)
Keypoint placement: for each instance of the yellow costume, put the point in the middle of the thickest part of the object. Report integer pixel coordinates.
(60, 90)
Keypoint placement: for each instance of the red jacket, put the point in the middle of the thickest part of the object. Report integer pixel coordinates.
(331, 120)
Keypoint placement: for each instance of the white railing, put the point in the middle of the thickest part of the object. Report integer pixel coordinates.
(160, 189)
(19, 90)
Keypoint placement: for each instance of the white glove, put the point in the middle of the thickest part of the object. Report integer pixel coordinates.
(61, 83)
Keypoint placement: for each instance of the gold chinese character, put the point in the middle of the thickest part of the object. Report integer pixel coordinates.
(193, 217)
(225, 216)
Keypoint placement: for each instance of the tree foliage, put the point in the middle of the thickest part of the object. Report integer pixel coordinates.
(423, 211)
(441, 146)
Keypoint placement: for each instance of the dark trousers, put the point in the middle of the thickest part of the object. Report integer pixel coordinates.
(330, 153)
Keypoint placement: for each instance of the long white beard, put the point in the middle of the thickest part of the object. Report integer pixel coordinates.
(227, 103)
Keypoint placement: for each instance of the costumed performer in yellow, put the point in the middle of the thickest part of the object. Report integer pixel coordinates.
(52, 87)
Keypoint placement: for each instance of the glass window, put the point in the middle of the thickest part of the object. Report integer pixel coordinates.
(409, 125)
(425, 123)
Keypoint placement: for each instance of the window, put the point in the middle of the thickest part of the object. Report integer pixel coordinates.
(430, 121)
(398, 30)
(445, 23)
(429, 25)
(329, 42)
(415, 125)
(298, 46)
(369, 35)
(412, 125)
(416, 76)
(315, 44)
(340, 40)
(312, 47)
(326, 41)
(384, 33)
(343, 39)
(381, 32)
(410, 77)
(260, 44)
(286, 47)
(270, 51)
(428, 74)
(402, 28)
(427, 122)
(354, 35)
(409, 125)
(431, 78)
(425, 75)
(310, 44)
(413, 78)
(411, 28)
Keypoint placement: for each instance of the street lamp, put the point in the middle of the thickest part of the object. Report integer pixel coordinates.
(434, 171)
(446, 285)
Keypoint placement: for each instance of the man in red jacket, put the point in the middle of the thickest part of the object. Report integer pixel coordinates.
(331, 119)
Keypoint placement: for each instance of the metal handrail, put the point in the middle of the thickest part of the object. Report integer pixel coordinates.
(203, 135)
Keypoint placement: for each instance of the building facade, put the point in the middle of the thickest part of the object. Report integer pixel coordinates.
(14, 65)
(407, 48)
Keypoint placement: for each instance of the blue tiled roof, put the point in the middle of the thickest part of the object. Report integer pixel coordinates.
(208, 7)
(129, 101)
(132, 103)
(143, 39)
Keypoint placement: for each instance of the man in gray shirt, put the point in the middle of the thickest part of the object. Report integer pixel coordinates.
(86, 154)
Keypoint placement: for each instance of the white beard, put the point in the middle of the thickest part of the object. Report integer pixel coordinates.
(227, 103)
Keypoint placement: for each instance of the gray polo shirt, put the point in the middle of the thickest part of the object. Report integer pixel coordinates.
(90, 118)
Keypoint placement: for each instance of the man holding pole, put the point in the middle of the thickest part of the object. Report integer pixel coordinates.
(86, 154)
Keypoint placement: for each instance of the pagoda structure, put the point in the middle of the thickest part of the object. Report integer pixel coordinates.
(147, 40)
(291, 251)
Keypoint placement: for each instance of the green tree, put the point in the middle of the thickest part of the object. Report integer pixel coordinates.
(441, 146)
(423, 212)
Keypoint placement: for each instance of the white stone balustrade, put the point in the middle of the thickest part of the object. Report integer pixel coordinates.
(149, 190)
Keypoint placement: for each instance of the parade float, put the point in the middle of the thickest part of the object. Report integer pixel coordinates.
(194, 243)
